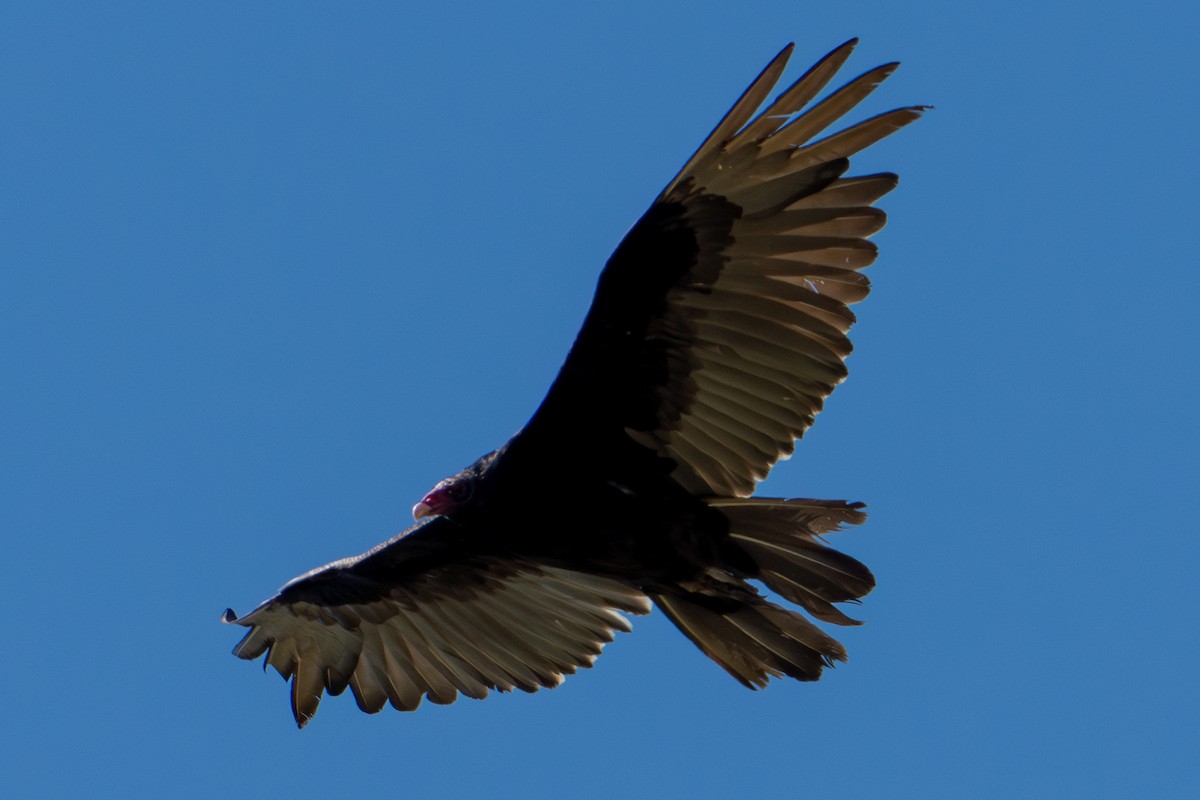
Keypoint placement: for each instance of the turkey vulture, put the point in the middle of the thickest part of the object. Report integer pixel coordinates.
(717, 331)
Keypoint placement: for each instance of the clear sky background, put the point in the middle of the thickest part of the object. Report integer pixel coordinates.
(269, 270)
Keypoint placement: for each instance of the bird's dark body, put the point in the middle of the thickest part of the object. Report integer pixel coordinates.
(717, 331)
(637, 525)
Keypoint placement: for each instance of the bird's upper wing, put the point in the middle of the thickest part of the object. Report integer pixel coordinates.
(424, 615)
(719, 325)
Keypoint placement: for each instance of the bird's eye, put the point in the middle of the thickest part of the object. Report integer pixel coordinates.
(460, 491)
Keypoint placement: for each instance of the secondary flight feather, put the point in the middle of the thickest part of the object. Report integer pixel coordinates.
(718, 328)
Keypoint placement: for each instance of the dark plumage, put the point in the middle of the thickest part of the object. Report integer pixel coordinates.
(717, 331)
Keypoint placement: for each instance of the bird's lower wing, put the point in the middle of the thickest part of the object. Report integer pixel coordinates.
(396, 629)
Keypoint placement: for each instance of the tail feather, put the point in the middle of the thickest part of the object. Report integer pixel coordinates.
(755, 640)
(778, 542)
(782, 538)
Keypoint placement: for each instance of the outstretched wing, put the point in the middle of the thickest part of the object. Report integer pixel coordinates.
(427, 615)
(719, 324)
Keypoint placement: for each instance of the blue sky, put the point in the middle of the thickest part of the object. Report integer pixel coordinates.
(270, 270)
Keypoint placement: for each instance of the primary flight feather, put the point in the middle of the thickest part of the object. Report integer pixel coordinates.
(717, 331)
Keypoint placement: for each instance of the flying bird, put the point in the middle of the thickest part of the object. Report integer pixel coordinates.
(717, 330)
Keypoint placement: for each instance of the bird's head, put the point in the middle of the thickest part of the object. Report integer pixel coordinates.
(447, 497)
(458, 492)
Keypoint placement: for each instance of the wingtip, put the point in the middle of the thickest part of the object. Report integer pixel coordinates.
(841, 52)
(780, 60)
(301, 718)
(304, 708)
(229, 617)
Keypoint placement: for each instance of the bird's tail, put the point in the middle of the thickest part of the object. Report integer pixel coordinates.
(754, 639)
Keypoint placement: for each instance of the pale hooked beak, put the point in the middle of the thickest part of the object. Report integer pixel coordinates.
(422, 509)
